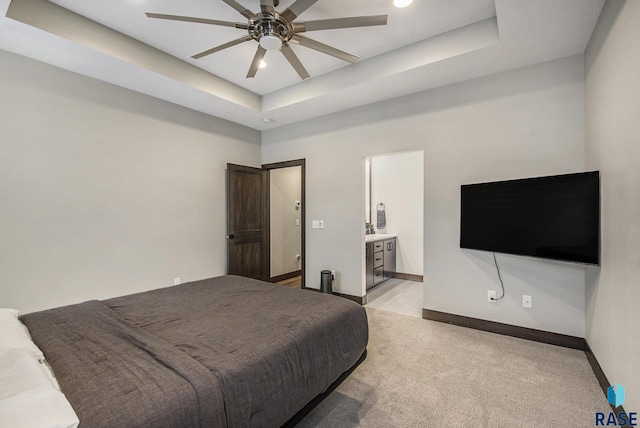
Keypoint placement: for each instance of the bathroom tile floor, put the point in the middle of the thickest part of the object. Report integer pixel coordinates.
(397, 295)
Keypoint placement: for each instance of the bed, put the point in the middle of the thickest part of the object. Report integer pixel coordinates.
(221, 352)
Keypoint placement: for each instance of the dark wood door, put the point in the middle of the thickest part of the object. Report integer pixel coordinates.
(247, 222)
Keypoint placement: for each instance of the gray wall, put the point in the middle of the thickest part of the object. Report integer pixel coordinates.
(526, 122)
(613, 147)
(104, 191)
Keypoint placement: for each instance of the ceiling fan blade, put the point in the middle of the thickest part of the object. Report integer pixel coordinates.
(197, 20)
(294, 61)
(221, 47)
(330, 24)
(296, 9)
(243, 10)
(255, 64)
(326, 49)
(267, 7)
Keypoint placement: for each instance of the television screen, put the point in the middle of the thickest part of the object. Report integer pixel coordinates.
(556, 217)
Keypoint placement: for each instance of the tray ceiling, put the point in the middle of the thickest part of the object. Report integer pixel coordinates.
(431, 43)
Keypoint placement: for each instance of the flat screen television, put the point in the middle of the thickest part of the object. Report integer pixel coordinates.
(555, 217)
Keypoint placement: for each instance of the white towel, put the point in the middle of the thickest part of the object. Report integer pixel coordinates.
(382, 218)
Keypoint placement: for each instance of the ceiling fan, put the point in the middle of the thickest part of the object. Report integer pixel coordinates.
(275, 31)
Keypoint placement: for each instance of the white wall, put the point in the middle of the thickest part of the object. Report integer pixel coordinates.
(286, 244)
(104, 191)
(613, 147)
(526, 122)
(398, 181)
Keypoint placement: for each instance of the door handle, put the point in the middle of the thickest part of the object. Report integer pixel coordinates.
(232, 236)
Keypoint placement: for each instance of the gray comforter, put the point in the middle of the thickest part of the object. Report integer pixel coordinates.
(227, 351)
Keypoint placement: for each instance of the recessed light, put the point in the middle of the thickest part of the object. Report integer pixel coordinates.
(402, 3)
(268, 120)
(262, 64)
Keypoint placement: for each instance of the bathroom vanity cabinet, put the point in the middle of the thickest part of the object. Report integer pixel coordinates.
(380, 259)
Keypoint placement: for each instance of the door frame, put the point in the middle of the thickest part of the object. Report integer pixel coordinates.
(286, 164)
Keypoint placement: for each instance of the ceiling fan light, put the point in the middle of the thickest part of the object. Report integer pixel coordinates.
(402, 3)
(270, 42)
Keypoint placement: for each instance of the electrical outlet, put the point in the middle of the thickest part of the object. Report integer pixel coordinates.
(176, 281)
(526, 301)
(491, 296)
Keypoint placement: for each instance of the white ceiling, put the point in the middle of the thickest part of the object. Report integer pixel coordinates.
(429, 44)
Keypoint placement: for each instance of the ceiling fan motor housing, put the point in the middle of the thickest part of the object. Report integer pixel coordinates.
(270, 31)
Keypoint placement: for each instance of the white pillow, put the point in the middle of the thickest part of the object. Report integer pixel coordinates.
(14, 334)
(27, 397)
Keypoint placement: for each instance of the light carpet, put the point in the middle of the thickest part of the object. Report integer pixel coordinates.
(421, 373)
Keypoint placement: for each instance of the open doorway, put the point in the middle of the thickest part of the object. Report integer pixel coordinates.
(394, 231)
(286, 203)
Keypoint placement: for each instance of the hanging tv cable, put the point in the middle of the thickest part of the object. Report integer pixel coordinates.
(499, 277)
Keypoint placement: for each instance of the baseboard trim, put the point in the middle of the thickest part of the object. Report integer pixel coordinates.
(285, 276)
(597, 370)
(602, 378)
(506, 329)
(410, 277)
(358, 299)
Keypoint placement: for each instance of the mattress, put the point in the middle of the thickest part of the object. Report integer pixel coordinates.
(227, 351)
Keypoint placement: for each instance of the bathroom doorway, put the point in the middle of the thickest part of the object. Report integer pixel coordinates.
(394, 209)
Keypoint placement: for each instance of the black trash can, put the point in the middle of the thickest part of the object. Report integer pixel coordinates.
(326, 282)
